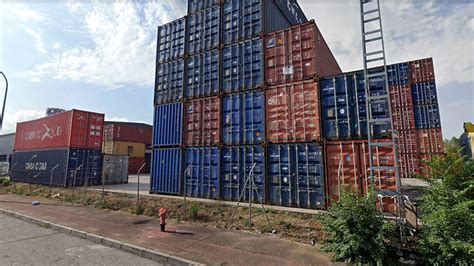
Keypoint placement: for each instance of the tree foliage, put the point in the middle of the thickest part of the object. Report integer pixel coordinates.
(447, 208)
(355, 229)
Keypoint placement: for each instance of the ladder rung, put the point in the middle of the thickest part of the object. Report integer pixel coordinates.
(372, 19)
(374, 59)
(381, 144)
(370, 11)
(386, 193)
(375, 75)
(374, 53)
(384, 168)
(374, 39)
(379, 120)
(377, 98)
(372, 32)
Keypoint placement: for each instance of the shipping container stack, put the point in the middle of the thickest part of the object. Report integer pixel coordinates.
(295, 57)
(62, 149)
(129, 139)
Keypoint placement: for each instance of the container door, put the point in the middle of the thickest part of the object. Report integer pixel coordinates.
(279, 125)
(202, 172)
(203, 74)
(231, 126)
(169, 82)
(96, 127)
(166, 171)
(305, 111)
(232, 172)
(254, 167)
(80, 129)
(309, 176)
(280, 176)
(254, 117)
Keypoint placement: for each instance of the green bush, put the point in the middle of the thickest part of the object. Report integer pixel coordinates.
(5, 182)
(194, 211)
(447, 234)
(355, 230)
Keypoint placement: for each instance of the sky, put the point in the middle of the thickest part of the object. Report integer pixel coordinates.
(100, 55)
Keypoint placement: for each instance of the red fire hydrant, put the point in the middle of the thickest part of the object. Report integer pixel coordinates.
(163, 212)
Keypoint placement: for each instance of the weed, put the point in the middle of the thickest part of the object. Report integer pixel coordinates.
(194, 211)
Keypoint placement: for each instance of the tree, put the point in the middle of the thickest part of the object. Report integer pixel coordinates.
(447, 208)
(356, 230)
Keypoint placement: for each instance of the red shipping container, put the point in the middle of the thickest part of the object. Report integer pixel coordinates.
(407, 141)
(74, 129)
(298, 53)
(134, 164)
(202, 122)
(292, 112)
(347, 165)
(409, 164)
(430, 140)
(421, 70)
(400, 96)
(125, 131)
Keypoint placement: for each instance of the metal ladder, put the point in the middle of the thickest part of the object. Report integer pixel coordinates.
(375, 68)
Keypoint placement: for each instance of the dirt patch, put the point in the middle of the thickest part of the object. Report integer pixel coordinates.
(298, 227)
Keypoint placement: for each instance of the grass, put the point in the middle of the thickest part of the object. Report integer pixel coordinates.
(294, 226)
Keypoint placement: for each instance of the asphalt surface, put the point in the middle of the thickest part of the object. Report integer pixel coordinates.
(22, 243)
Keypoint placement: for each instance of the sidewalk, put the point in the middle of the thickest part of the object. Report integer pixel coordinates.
(188, 241)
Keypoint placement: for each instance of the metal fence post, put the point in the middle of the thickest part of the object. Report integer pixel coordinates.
(138, 183)
(51, 179)
(103, 182)
(74, 180)
(10, 170)
(29, 174)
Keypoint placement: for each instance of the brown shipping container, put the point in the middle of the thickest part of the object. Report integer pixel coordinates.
(421, 70)
(347, 164)
(408, 141)
(134, 164)
(298, 53)
(402, 107)
(409, 164)
(292, 112)
(73, 129)
(124, 131)
(202, 122)
(430, 140)
(134, 149)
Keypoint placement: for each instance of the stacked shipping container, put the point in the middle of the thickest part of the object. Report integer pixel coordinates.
(129, 139)
(253, 105)
(63, 149)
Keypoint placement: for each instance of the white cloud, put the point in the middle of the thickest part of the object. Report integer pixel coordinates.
(38, 37)
(123, 50)
(11, 119)
(27, 14)
(56, 45)
(117, 119)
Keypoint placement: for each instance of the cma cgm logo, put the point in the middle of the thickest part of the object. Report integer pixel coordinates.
(45, 133)
(41, 166)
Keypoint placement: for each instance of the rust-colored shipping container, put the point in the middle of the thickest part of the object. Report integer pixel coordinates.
(202, 122)
(407, 141)
(73, 129)
(292, 112)
(430, 140)
(421, 70)
(347, 166)
(400, 95)
(126, 131)
(134, 164)
(401, 101)
(298, 53)
(409, 164)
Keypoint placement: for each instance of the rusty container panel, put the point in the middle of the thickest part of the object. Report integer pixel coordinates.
(430, 140)
(347, 164)
(409, 164)
(407, 141)
(297, 53)
(292, 113)
(421, 70)
(202, 122)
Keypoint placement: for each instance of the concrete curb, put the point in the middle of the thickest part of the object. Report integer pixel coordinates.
(153, 255)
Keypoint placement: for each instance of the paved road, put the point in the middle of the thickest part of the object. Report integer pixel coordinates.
(22, 243)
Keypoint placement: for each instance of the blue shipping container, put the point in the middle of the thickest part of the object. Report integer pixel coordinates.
(198, 5)
(424, 93)
(343, 105)
(296, 175)
(37, 167)
(202, 172)
(166, 171)
(244, 19)
(427, 116)
(169, 82)
(238, 164)
(242, 66)
(243, 120)
(203, 30)
(203, 74)
(168, 125)
(171, 41)
(397, 74)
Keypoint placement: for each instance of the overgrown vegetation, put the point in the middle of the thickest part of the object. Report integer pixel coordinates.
(447, 208)
(356, 232)
(5, 182)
